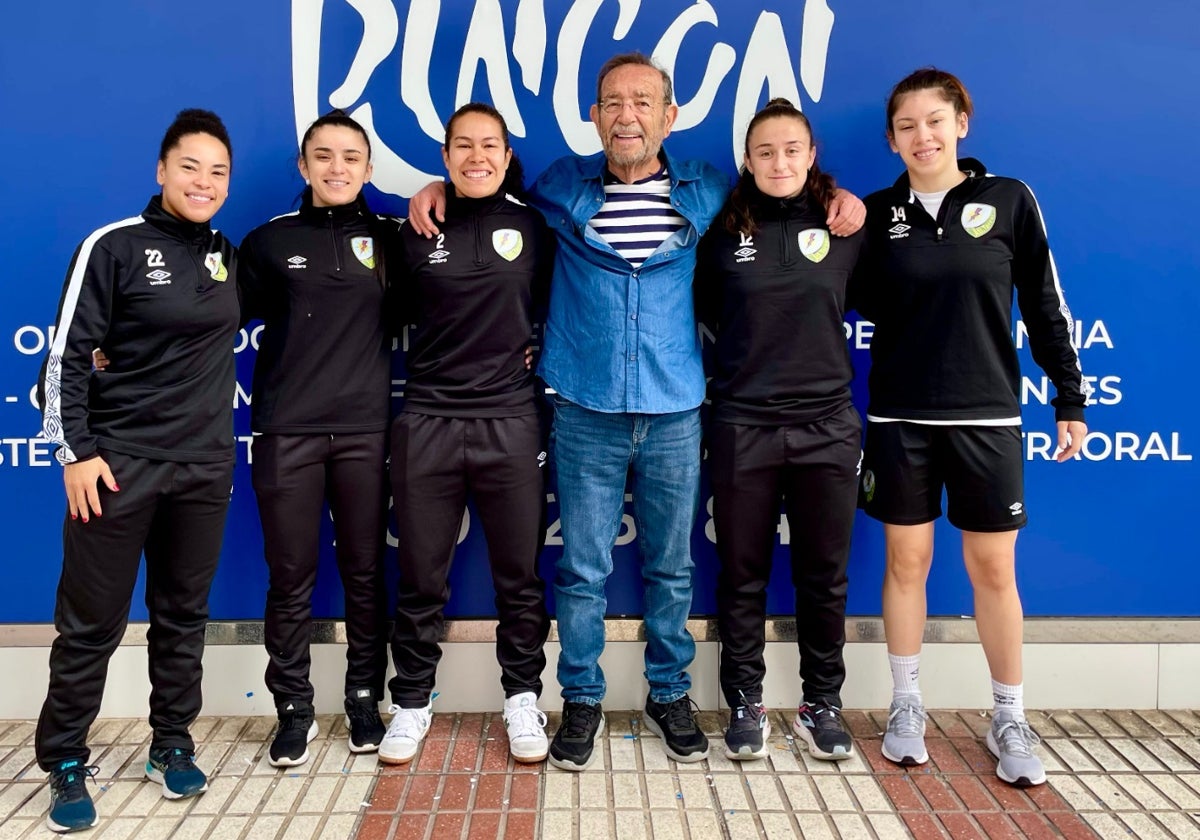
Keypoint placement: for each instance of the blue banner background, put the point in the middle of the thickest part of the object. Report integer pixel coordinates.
(1079, 99)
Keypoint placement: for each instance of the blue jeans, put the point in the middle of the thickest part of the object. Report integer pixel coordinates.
(593, 454)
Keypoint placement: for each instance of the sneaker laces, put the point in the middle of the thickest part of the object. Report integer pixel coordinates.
(748, 715)
(406, 723)
(906, 720)
(179, 759)
(71, 783)
(578, 723)
(297, 719)
(1015, 736)
(679, 714)
(524, 721)
(828, 717)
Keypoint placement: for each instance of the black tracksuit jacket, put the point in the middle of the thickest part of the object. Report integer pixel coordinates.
(777, 300)
(473, 293)
(315, 277)
(159, 294)
(940, 292)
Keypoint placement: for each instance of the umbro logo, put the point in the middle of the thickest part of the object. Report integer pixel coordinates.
(899, 231)
(158, 277)
(297, 262)
(1016, 508)
(439, 254)
(746, 251)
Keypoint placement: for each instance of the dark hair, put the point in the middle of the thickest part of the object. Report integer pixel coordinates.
(339, 118)
(818, 186)
(641, 60)
(194, 121)
(514, 178)
(947, 85)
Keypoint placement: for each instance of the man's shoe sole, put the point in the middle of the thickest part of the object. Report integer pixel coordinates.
(904, 761)
(567, 764)
(815, 751)
(288, 761)
(686, 758)
(64, 829)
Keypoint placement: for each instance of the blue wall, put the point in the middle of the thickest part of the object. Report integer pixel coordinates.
(1082, 100)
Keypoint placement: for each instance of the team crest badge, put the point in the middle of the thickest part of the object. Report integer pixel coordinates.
(508, 243)
(215, 267)
(814, 244)
(364, 250)
(868, 485)
(978, 219)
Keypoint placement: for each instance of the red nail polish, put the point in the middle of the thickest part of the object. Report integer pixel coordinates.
(115, 487)
(74, 515)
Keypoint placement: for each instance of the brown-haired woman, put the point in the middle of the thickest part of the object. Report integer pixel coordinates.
(949, 246)
(773, 283)
(321, 406)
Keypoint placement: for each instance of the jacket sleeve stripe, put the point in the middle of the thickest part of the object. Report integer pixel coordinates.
(52, 422)
(1062, 301)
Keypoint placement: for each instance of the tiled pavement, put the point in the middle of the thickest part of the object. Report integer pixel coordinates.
(1112, 775)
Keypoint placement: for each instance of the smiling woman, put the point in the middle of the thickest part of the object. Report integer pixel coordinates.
(160, 291)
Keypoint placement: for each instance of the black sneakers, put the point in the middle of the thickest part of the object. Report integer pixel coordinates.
(746, 737)
(820, 725)
(573, 747)
(296, 728)
(363, 720)
(675, 723)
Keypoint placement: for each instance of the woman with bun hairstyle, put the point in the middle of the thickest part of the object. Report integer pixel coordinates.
(949, 247)
(147, 452)
(772, 282)
(470, 428)
(320, 407)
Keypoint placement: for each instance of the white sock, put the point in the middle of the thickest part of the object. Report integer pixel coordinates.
(1009, 699)
(906, 672)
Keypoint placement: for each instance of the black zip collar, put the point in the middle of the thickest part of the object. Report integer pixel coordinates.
(970, 167)
(174, 226)
(340, 214)
(461, 206)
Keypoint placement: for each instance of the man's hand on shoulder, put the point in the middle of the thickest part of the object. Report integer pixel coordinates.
(847, 213)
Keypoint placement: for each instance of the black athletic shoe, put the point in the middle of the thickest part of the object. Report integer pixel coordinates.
(363, 720)
(296, 728)
(573, 747)
(820, 725)
(675, 723)
(746, 737)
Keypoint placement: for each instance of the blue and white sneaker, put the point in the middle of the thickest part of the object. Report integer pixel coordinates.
(175, 769)
(71, 806)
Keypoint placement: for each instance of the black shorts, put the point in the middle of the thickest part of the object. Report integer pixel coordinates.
(906, 465)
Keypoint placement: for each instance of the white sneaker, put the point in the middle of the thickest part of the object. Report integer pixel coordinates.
(526, 724)
(404, 734)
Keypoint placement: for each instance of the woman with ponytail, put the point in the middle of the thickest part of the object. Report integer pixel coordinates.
(321, 407)
(772, 283)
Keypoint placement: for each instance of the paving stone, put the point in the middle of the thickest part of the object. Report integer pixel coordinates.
(667, 825)
(303, 827)
(834, 793)
(249, 796)
(888, 826)
(1179, 824)
(623, 753)
(851, 826)
(1172, 759)
(560, 825)
(593, 790)
(1111, 796)
(319, 794)
(595, 824)
(739, 825)
(339, 827)
(703, 825)
(1162, 723)
(1176, 791)
(194, 827)
(283, 798)
(731, 792)
(120, 828)
(1135, 755)
(815, 827)
(560, 789)
(764, 791)
(1072, 725)
(1189, 747)
(1108, 759)
(266, 827)
(1071, 755)
(627, 791)
(632, 825)
(868, 793)
(1074, 792)
(353, 796)
(777, 826)
(800, 793)
(1145, 828)
(1187, 719)
(1142, 792)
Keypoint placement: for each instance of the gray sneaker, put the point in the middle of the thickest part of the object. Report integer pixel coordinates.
(1012, 741)
(904, 741)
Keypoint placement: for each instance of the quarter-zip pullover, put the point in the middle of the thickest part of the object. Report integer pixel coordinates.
(940, 292)
(159, 295)
(777, 298)
(315, 277)
(473, 294)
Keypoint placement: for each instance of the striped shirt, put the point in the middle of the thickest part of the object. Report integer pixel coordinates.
(636, 218)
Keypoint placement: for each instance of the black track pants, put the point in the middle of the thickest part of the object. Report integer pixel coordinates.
(293, 477)
(175, 513)
(436, 463)
(813, 469)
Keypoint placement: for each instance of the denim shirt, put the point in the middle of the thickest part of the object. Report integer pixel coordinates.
(620, 339)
